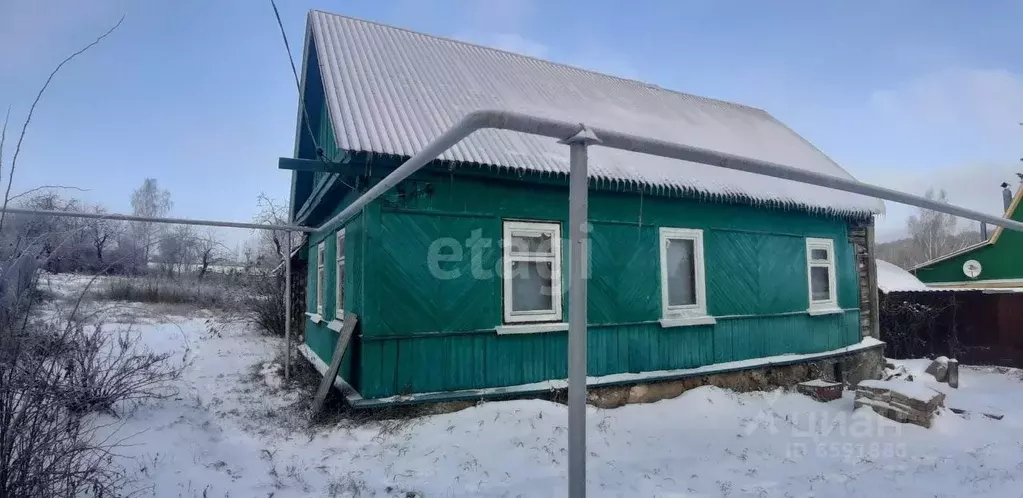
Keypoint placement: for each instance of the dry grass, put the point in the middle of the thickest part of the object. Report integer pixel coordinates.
(190, 291)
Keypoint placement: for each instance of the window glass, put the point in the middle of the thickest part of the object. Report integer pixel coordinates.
(820, 283)
(532, 271)
(681, 272)
(531, 288)
(530, 243)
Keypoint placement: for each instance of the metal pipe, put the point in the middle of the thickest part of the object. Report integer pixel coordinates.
(287, 306)
(523, 123)
(578, 260)
(150, 219)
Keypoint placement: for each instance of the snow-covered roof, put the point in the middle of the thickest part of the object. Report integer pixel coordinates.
(392, 91)
(891, 278)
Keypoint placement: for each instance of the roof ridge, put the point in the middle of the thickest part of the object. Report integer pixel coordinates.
(546, 61)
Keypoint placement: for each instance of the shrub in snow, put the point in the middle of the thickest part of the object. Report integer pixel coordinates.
(104, 369)
(265, 303)
(51, 375)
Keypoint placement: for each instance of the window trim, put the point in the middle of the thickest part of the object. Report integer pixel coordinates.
(698, 310)
(339, 284)
(832, 302)
(320, 261)
(508, 257)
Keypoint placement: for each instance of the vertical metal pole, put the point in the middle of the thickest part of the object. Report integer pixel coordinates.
(578, 202)
(287, 307)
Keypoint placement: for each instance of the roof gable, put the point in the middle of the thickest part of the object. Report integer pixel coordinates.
(391, 91)
(999, 255)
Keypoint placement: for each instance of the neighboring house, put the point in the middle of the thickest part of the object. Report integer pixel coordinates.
(690, 265)
(996, 262)
(976, 324)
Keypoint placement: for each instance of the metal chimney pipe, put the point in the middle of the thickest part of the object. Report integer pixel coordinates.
(983, 231)
(1006, 197)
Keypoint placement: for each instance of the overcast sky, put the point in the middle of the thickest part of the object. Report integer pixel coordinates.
(199, 94)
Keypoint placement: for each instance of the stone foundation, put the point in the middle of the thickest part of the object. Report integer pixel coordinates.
(849, 369)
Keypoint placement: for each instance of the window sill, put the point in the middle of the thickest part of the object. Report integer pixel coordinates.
(532, 328)
(687, 321)
(335, 325)
(315, 317)
(824, 311)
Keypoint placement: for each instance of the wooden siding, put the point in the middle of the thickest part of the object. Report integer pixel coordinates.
(440, 362)
(861, 238)
(426, 334)
(318, 337)
(1000, 260)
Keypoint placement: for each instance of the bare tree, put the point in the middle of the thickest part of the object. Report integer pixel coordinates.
(271, 247)
(934, 234)
(151, 201)
(61, 242)
(207, 250)
(101, 232)
(177, 248)
(31, 112)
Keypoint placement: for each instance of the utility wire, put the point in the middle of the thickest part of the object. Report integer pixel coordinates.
(301, 96)
(298, 83)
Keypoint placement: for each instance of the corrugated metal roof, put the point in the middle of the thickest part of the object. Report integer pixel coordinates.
(891, 278)
(391, 91)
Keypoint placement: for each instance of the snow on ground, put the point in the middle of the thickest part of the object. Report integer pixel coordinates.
(232, 431)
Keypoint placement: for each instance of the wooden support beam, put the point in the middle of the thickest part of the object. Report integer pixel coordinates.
(335, 363)
(314, 165)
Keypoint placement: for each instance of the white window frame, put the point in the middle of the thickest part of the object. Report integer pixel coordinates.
(689, 314)
(828, 245)
(553, 230)
(683, 312)
(339, 284)
(320, 257)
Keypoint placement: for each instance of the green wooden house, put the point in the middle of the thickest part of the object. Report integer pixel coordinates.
(994, 263)
(458, 274)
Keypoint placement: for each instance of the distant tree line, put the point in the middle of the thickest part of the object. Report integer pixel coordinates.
(66, 244)
(931, 235)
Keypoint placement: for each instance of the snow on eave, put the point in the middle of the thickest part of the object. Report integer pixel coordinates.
(891, 278)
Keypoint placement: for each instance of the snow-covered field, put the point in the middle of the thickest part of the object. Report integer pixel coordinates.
(235, 431)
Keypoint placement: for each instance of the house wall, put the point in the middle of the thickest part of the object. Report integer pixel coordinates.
(318, 337)
(1000, 260)
(422, 334)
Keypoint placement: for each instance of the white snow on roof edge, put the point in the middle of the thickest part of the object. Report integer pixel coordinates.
(391, 91)
(891, 278)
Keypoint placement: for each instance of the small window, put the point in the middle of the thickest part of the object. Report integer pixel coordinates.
(532, 272)
(683, 288)
(339, 284)
(820, 261)
(320, 256)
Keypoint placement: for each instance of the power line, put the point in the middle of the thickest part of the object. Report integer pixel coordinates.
(301, 95)
(298, 83)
